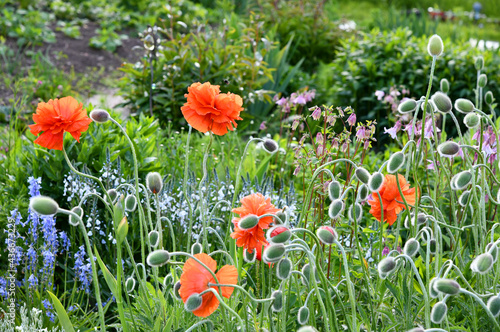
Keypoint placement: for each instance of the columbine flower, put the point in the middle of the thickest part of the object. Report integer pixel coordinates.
(352, 119)
(316, 114)
(393, 130)
(282, 101)
(360, 133)
(385, 251)
(379, 94)
(263, 125)
(299, 100)
(195, 279)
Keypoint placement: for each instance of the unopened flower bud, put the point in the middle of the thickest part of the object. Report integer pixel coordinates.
(376, 182)
(407, 106)
(488, 98)
(44, 205)
(430, 106)
(154, 182)
(416, 329)
(444, 85)
(158, 258)
(270, 145)
(432, 245)
(273, 253)
(73, 221)
(396, 161)
(482, 263)
(411, 247)
(154, 238)
(282, 218)
(439, 312)
(303, 315)
(248, 222)
(306, 271)
(307, 329)
(196, 248)
(448, 149)
(482, 80)
(479, 63)
(472, 120)
(493, 250)
(249, 256)
(336, 208)
(334, 190)
(447, 286)
(279, 234)
(386, 266)
(435, 46)
(464, 198)
(363, 175)
(493, 305)
(130, 203)
(461, 180)
(113, 195)
(168, 280)
(130, 285)
(432, 291)
(193, 302)
(464, 105)
(442, 102)
(284, 268)
(357, 210)
(99, 116)
(122, 230)
(327, 235)
(277, 305)
(177, 286)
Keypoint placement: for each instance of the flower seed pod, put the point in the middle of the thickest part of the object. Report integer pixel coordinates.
(196, 248)
(279, 234)
(494, 305)
(336, 208)
(396, 161)
(44, 205)
(122, 230)
(278, 301)
(158, 258)
(482, 263)
(154, 238)
(273, 253)
(442, 102)
(461, 180)
(249, 257)
(464, 105)
(99, 116)
(193, 302)
(376, 182)
(327, 235)
(448, 149)
(482, 80)
(432, 291)
(447, 286)
(130, 203)
(493, 250)
(130, 285)
(73, 221)
(411, 247)
(444, 85)
(284, 269)
(363, 175)
(472, 120)
(407, 106)
(282, 218)
(362, 193)
(270, 145)
(386, 266)
(435, 46)
(248, 222)
(334, 190)
(464, 198)
(488, 98)
(113, 195)
(154, 182)
(303, 315)
(177, 286)
(307, 329)
(355, 209)
(439, 312)
(168, 280)
(479, 63)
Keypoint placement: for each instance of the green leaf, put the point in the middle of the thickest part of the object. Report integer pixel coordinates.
(61, 314)
(110, 279)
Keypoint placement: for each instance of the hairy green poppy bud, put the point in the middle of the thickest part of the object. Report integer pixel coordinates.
(396, 161)
(362, 193)
(154, 238)
(168, 280)
(130, 203)
(464, 105)
(386, 266)
(177, 286)
(193, 302)
(479, 63)
(249, 257)
(442, 102)
(472, 120)
(99, 116)
(482, 80)
(122, 230)
(461, 180)
(430, 107)
(493, 250)
(376, 181)
(303, 315)
(279, 234)
(196, 248)
(438, 312)
(282, 218)
(464, 198)
(277, 305)
(432, 291)
(407, 106)
(306, 271)
(158, 258)
(130, 285)
(444, 85)
(273, 253)
(284, 268)
(482, 263)
(44, 205)
(336, 208)
(248, 222)
(113, 195)
(435, 46)
(488, 98)
(327, 235)
(432, 246)
(355, 209)
(411, 247)
(334, 190)
(154, 182)
(73, 221)
(307, 329)
(363, 175)
(417, 329)
(270, 145)
(493, 305)
(447, 286)
(448, 149)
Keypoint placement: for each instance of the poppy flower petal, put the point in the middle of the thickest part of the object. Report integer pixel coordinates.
(228, 274)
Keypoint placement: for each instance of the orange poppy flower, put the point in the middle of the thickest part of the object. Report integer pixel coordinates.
(258, 205)
(207, 109)
(56, 117)
(195, 279)
(391, 199)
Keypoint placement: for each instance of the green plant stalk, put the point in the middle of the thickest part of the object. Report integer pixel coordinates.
(202, 201)
(118, 296)
(350, 286)
(493, 319)
(184, 187)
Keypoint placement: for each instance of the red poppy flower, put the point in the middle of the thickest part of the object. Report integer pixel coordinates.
(195, 279)
(391, 199)
(56, 117)
(254, 237)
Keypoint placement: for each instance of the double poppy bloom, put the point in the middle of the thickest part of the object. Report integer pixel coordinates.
(207, 109)
(253, 238)
(392, 201)
(56, 117)
(195, 279)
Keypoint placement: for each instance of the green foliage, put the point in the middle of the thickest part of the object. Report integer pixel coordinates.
(393, 19)
(107, 39)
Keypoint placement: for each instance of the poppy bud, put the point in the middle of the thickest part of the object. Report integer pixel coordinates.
(430, 106)
(432, 245)
(442, 102)
(464, 198)
(435, 46)
(421, 218)
(407, 106)
(376, 181)
(482, 263)
(193, 302)
(130, 203)
(417, 329)
(278, 234)
(283, 217)
(168, 280)
(306, 271)
(493, 250)
(482, 80)
(273, 253)
(177, 286)
(438, 312)
(122, 230)
(355, 209)
(158, 258)
(362, 193)
(448, 149)
(411, 247)
(472, 120)
(386, 266)
(432, 291)
(479, 63)
(113, 195)
(447, 286)
(488, 98)
(363, 175)
(444, 85)
(130, 285)
(464, 105)
(154, 238)
(494, 305)
(249, 257)
(334, 190)
(278, 300)
(196, 248)
(336, 208)
(303, 315)
(248, 222)
(99, 116)
(307, 329)
(44, 205)
(284, 268)
(270, 145)
(396, 161)
(327, 235)
(73, 221)
(461, 180)
(154, 182)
